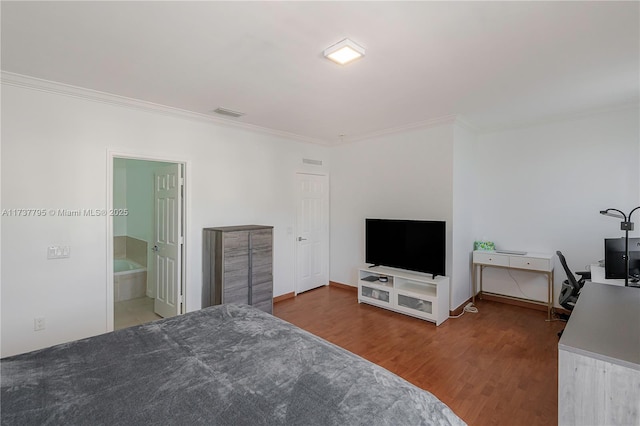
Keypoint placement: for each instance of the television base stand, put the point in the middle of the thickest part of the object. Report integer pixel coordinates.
(420, 295)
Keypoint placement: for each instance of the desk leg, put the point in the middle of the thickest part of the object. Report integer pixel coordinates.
(550, 294)
(473, 282)
(481, 269)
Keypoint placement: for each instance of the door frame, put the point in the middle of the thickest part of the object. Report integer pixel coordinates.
(186, 204)
(327, 250)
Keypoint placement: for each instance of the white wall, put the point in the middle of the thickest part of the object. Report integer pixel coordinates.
(541, 188)
(464, 178)
(119, 196)
(55, 150)
(398, 176)
(537, 189)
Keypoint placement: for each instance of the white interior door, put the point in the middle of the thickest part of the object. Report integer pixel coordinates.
(168, 239)
(312, 227)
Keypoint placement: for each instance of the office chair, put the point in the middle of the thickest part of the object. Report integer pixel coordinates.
(571, 287)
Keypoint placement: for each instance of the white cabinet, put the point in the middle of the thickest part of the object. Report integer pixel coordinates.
(410, 293)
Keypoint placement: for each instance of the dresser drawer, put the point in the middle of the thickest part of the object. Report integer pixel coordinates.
(490, 258)
(533, 263)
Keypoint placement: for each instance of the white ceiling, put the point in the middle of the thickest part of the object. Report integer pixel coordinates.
(497, 64)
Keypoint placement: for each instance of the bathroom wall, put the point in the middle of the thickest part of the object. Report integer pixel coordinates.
(133, 232)
(125, 247)
(139, 198)
(137, 250)
(120, 247)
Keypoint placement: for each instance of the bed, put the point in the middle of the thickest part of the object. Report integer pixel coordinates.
(222, 365)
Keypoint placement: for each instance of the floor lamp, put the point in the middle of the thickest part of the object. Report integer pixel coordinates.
(626, 225)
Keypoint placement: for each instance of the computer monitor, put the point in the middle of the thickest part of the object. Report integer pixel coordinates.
(614, 258)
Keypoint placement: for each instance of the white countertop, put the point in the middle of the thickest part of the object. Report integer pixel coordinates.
(597, 276)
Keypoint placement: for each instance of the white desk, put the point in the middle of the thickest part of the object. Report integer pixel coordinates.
(597, 276)
(536, 262)
(599, 358)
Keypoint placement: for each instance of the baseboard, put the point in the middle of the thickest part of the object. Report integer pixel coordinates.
(457, 311)
(514, 301)
(284, 297)
(291, 295)
(510, 301)
(343, 286)
(562, 311)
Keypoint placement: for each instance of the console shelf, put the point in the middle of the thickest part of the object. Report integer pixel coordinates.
(410, 293)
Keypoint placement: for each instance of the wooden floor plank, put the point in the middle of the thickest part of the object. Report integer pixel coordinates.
(496, 367)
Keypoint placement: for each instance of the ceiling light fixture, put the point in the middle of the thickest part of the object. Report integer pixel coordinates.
(344, 52)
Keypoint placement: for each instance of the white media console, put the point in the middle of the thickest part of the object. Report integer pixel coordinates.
(409, 293)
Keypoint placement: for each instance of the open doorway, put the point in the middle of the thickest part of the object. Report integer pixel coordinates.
(147, 240)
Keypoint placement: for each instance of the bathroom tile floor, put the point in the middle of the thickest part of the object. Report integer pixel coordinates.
(132, 312)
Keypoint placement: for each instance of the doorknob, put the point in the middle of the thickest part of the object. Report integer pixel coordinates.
(302, 239)
(155, 248)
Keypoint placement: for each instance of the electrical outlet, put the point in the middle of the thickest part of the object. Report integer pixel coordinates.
(38, 324)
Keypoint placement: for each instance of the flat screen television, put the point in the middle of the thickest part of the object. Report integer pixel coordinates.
(614, 258)
(415, 245)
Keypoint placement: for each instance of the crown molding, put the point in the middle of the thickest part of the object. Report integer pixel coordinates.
(432, 122)
(466, 124)
(557, 118)
(33, 83)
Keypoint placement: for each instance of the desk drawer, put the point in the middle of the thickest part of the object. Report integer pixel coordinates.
(533, 263)
(490, 259)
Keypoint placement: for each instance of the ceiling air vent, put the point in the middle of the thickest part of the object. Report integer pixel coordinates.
(313, 162)
(228, 112)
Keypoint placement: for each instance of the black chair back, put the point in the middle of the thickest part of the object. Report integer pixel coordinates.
(570, 277)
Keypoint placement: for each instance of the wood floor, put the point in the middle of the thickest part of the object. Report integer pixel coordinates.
(496, 367)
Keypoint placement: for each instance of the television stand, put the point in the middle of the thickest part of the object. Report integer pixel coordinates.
(411, 293)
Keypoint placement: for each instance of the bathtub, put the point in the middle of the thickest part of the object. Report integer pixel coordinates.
(126, 266)
(129, 280)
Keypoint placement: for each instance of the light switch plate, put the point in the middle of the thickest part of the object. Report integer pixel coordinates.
(58, 252)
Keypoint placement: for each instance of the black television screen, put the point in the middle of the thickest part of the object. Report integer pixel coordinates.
(614, 264)
(415, 245)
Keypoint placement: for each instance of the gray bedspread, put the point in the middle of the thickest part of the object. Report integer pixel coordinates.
(223, 365)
